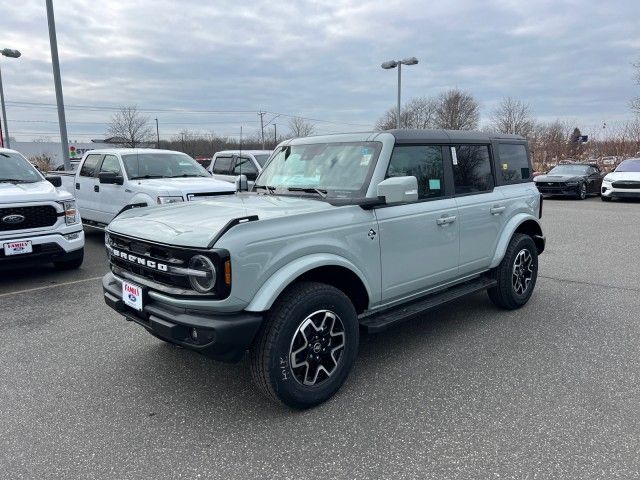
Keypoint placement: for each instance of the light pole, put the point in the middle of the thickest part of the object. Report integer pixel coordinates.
(7, 52)
(157, 135)
(398, 63)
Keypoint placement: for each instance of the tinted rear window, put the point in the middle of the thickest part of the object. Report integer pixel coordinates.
(222, 165)
(472, 169)
(514, 164)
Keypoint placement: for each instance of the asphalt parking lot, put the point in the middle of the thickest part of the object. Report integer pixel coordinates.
(469, 391)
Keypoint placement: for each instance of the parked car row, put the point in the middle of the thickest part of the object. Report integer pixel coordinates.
(580, 180)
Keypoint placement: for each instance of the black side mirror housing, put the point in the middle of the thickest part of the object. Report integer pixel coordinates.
(54, 180)
(110, 178)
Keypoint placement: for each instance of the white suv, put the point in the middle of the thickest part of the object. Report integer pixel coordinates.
(37, 220)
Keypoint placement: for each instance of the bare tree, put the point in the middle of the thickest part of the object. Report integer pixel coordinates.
(299, 127)
(418, 113)
(457, 110)
(512, 116)
(130, 126)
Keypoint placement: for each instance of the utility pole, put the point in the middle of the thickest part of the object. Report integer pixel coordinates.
(157, 135)
(58, 85)
(261, 113)
(275, 135)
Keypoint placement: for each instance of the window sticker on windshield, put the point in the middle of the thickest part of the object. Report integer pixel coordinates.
(505, 166)
(434, 184)
(364, 161)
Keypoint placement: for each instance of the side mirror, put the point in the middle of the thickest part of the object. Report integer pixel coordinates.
(241, 183)
(54, 180)
(110, 178)
(399, 189)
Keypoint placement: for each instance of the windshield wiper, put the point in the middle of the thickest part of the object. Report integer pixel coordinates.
(270, 189)
(15, 180)
(147, 176)
(184, 175)
(319, 191)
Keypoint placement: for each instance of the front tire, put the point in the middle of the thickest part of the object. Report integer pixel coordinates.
(516, 275)
(73, 264)
(307, 345)
(582, 191)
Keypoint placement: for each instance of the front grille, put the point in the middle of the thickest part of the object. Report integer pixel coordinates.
(630, 184)
(153, 252)
(33, 217)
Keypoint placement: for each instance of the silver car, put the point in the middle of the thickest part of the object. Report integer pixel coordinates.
(339, 233)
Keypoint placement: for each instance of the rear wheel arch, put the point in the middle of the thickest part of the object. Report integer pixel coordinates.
(532, 229)
(525, 224)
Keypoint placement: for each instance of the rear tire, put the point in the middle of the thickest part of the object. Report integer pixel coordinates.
(70, 264)
(306, 346)
(517, 273)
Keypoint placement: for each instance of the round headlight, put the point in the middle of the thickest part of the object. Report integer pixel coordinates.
(203, 277)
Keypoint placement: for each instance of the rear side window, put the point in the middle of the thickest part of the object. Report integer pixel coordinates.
(222, 165)
(514, 164)
(472, 169)
(423, 162)
(89, 166)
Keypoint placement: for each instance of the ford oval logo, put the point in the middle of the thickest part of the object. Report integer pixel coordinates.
(13, 219)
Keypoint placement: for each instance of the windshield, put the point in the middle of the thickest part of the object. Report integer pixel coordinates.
(161, 165)
(262, 158)
(15, 168)
(334, 169)
(569, 170)
(632, 165)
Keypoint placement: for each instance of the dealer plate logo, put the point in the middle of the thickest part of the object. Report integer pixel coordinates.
(13, 219)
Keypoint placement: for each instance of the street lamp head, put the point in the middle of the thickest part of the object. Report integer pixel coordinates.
(409, 61)
(389, 65)
(7, 52)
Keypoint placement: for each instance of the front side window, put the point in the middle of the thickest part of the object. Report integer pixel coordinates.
(161, 165)
(90, 164)
(423, 162)
(514, 163)
(14, 168)
(339, 169)
(222, 165)
(472, 169)
(111, 164)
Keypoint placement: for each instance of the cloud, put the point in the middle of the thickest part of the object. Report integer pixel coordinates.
(319, 59)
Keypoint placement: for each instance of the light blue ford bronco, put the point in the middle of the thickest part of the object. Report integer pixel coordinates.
(340, 234)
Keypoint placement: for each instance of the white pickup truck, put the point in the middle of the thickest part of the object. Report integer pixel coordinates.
(110, 181)
(37, 220)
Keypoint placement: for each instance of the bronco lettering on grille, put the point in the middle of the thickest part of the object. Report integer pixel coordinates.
(139, 260)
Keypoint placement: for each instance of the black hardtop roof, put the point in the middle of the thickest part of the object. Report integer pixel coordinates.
(451, 136)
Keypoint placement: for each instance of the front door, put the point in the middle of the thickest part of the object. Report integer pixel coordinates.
(419, 241)
(111, 197)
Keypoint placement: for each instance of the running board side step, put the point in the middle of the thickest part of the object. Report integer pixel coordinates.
(379, 321)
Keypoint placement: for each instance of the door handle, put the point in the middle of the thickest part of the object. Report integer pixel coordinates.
(77, 186)
(446, 220)
(96, 188)
(497, 209)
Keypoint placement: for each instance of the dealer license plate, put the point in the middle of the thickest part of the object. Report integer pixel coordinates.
(132, 295)
(18, 248)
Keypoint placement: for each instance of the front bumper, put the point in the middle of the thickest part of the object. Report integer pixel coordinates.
(612, 192)
(59, 246)
(222, 336)
(563, 190)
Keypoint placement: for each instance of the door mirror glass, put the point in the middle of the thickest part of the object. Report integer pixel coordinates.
(54, 180)
(399, 189)
(110, 178)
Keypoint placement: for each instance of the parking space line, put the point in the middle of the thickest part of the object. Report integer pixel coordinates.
(17, 292)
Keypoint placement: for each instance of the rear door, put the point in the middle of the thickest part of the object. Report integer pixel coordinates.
(419, 243)
(221, 168)
(85, 184)
(111, 197)
(481, 207)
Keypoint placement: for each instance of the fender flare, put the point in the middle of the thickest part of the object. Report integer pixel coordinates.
(506, 234)
(282, 278)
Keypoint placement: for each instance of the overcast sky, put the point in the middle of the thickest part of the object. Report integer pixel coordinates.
(319, 59)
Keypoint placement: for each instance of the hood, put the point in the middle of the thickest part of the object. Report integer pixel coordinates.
(630, 176)
(557, 178)
(186, 185)
(30, 192)
(196, 224)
